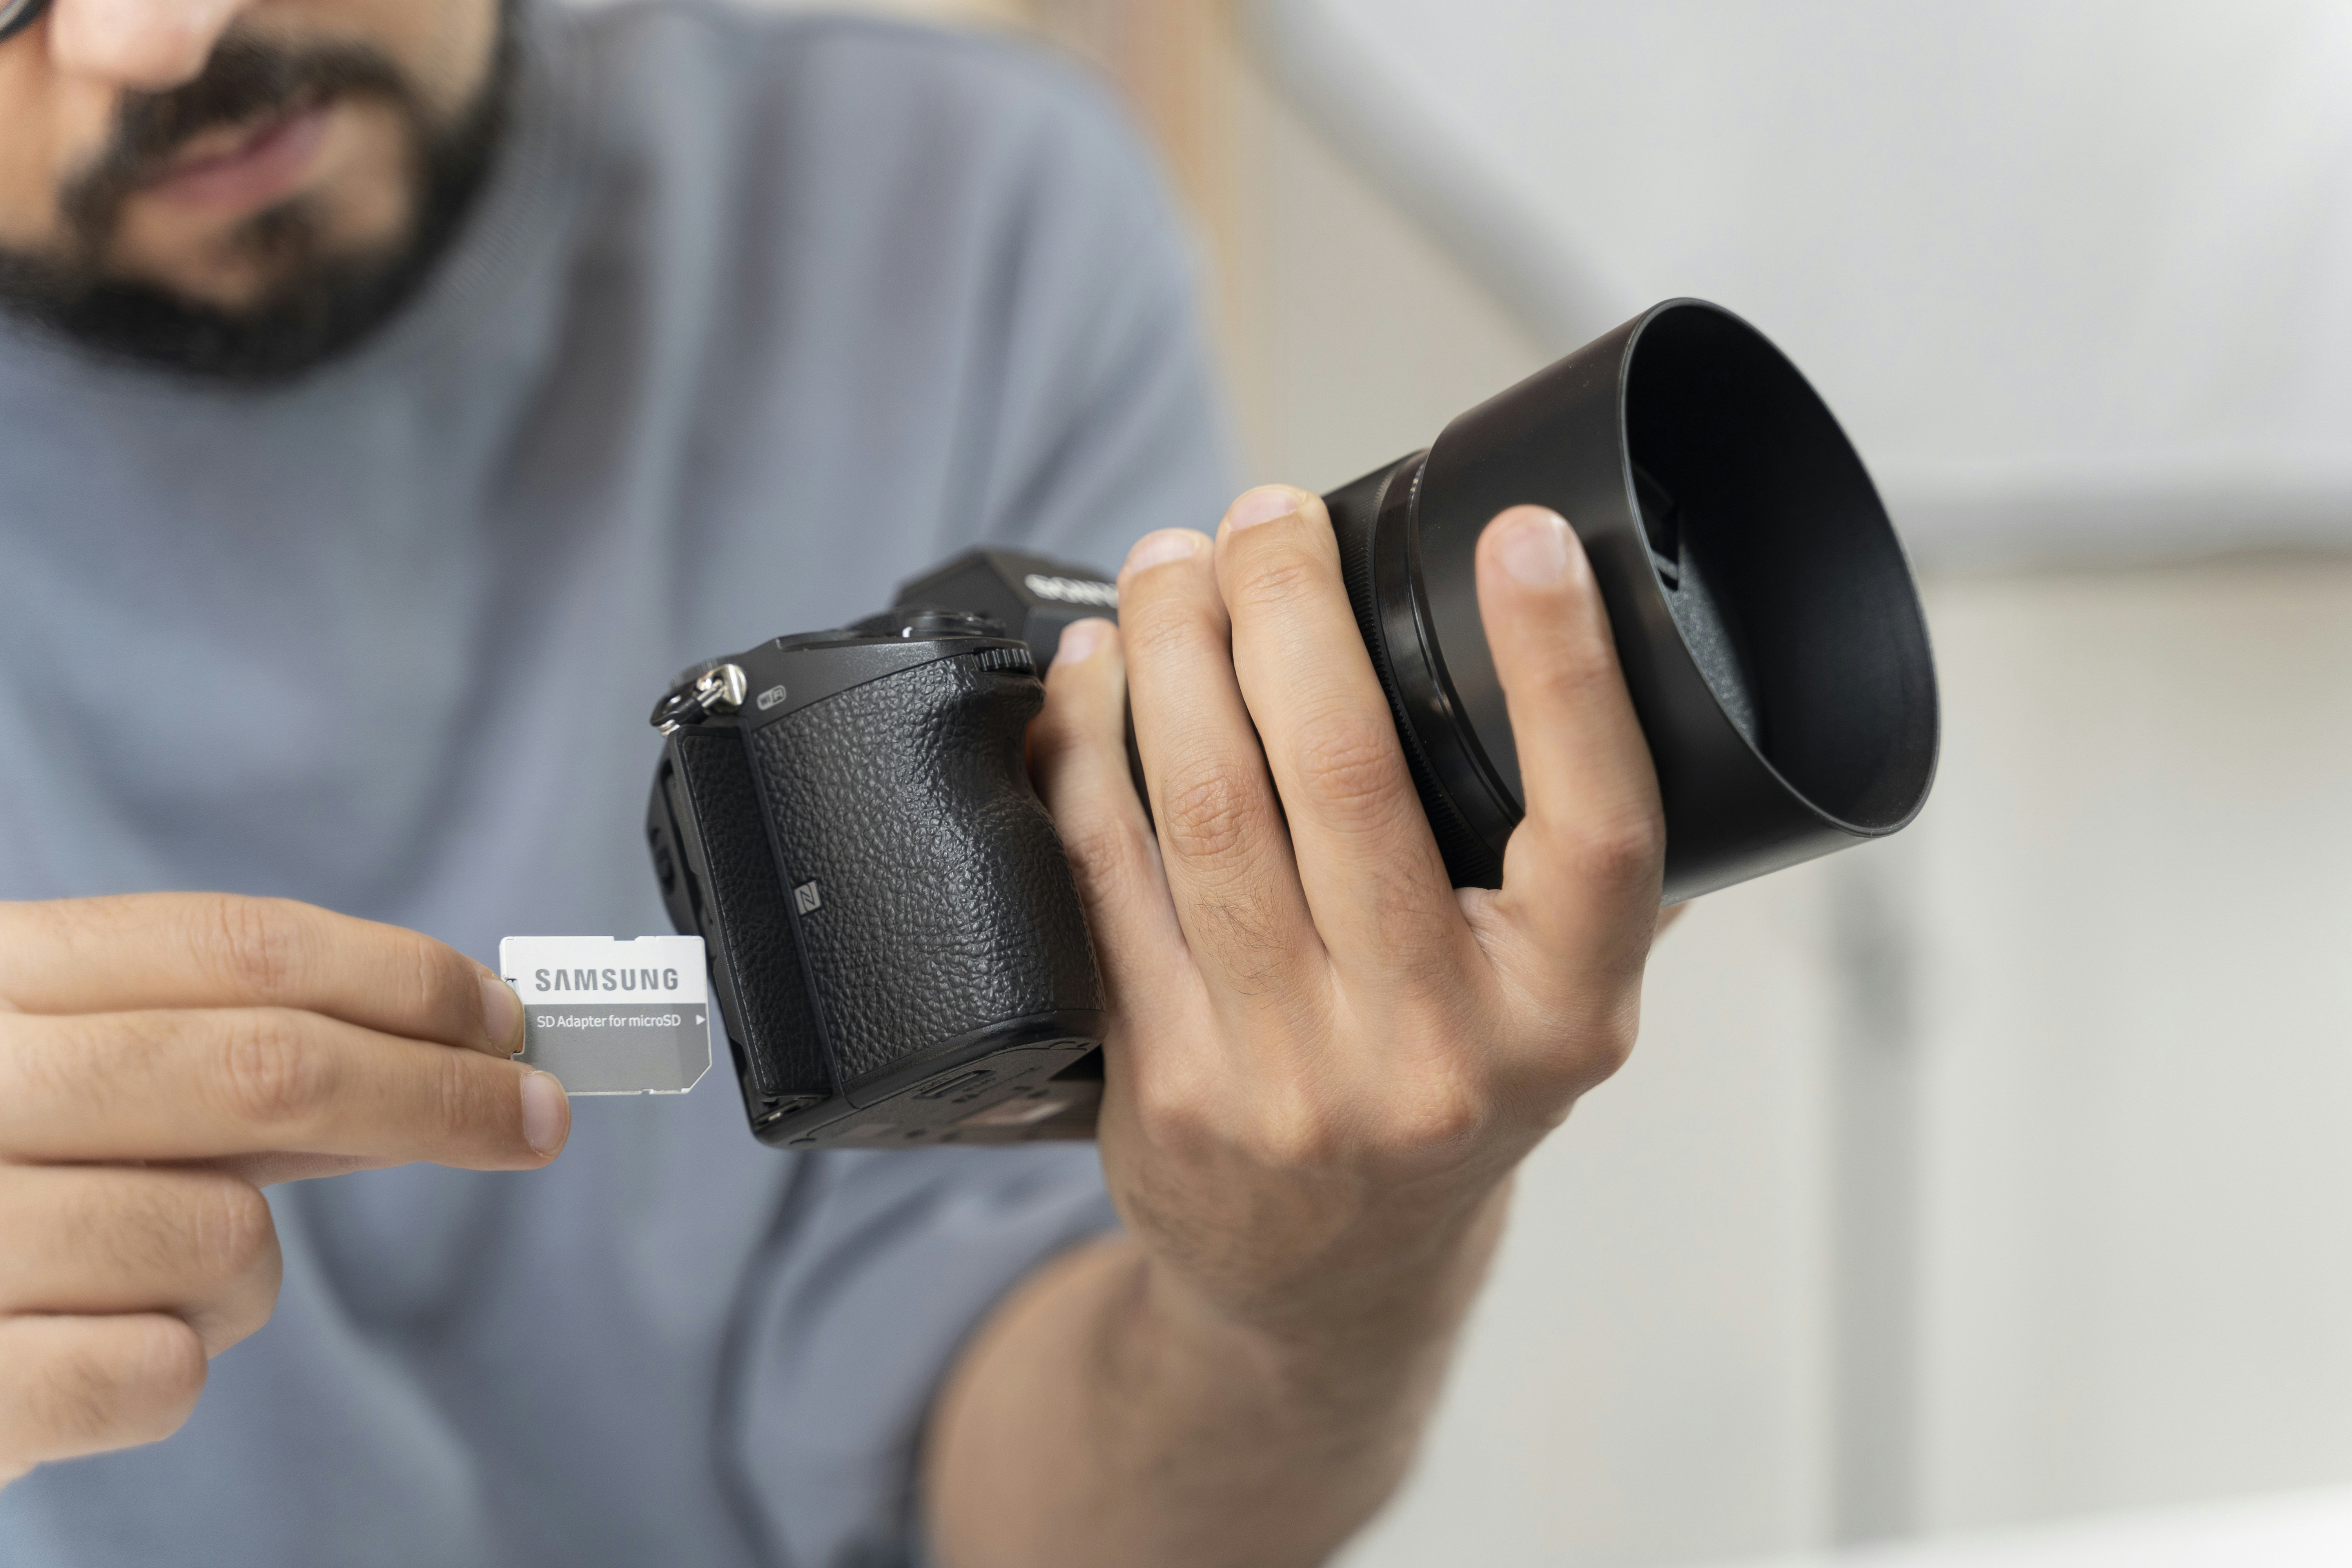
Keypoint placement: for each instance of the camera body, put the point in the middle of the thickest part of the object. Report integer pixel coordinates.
(894, 937)
(897, 946)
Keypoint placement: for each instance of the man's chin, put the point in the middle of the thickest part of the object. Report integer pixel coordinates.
(303, 316)
(249, 268)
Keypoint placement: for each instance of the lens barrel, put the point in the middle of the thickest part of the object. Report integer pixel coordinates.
(1764, 613)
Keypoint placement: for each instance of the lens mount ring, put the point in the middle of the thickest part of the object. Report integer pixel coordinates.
(16, 15)
(1480, 810)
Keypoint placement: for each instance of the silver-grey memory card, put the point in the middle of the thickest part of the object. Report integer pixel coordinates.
(608, 1017)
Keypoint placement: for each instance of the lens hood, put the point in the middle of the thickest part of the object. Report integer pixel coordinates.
(1764, 613)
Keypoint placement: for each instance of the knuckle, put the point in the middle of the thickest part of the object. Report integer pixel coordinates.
(1207, 813)
(1281, 573)
(1584, 1046)
(441, 980)
(1609, 1042)
(1349, 765)
(1163, 630)
(1296, 1131)
(163, 1373)
(1608, 1050)
(1620, 852)
(231, 1229)
(134, 1382)
(272, 1074)
(1179, 1112)
(258, 943)
(462, 1107)
(1442, 1115)
(1105, 854)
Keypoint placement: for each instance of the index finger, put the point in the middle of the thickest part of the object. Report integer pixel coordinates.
(153, 951)
(226, 1082)
(1367, 857)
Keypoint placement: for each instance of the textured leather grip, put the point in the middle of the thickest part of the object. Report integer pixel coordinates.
(740, 908)
(931, 896)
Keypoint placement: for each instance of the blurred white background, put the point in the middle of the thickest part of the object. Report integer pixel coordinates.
(2001, 1173)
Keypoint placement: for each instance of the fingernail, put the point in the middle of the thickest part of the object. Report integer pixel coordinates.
(1534, 547)
(1263, 504)
(1081, 640)
(1159, 549)
(546, 1112)
(501, 1014)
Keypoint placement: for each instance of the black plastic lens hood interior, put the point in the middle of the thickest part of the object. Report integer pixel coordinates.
(1764, 613)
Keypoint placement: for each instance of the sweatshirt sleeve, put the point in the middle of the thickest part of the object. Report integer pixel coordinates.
(894, 1260)
(1086, 416)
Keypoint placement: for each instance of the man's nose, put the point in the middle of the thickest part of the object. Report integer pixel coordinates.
(144, 46)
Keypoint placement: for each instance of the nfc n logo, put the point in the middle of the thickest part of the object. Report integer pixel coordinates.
(805, 898)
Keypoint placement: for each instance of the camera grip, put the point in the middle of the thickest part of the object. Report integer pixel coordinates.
(719, 878)
(933, 900)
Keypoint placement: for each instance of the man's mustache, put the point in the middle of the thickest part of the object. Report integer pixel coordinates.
(248, 81)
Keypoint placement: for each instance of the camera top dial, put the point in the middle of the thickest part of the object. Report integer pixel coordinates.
(785, 675)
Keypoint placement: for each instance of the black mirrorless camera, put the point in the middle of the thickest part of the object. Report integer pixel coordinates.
(896, 941)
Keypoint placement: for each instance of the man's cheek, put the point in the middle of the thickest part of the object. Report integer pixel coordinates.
(55, 129)
(366, 185)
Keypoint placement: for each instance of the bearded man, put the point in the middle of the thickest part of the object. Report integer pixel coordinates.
(392, 392)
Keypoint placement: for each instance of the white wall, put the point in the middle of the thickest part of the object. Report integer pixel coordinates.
(2138, 1226)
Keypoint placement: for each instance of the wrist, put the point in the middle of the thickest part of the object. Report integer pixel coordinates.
(1361, 1322)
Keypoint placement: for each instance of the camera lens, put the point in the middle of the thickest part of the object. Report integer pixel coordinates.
(1764, 613)
(16, 15)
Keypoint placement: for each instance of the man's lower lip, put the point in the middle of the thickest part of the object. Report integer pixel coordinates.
(262, 170)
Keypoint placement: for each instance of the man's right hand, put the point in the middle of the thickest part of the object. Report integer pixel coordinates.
(162, 1059)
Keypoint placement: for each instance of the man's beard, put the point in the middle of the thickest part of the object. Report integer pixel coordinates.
(323, 300)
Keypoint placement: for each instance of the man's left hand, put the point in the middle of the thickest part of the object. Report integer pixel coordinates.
(1325, 1060)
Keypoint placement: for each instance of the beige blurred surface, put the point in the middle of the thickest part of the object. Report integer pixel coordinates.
(2292, 1530)
(2137, 1233)
(1999, 1174)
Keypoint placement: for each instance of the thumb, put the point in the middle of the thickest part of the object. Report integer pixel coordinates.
(1582, 873)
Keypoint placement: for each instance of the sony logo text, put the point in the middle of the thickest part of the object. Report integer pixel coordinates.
(1072, 590)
